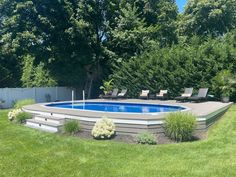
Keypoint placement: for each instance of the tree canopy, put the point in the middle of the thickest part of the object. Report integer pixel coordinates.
(208, 17)
(79, 43)
(179, 66)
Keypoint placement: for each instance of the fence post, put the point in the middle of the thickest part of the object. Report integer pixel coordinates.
(56, 93)
(35, 94)
(8, 105)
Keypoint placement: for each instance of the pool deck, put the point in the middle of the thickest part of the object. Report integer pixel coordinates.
(206, 112)
(199, 109)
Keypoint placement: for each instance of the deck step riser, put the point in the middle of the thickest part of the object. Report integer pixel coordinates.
(42, 127)
(49, 120)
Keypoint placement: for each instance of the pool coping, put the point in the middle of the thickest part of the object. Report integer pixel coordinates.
(40, 107)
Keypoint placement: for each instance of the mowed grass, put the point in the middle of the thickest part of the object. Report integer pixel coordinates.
(31, 153)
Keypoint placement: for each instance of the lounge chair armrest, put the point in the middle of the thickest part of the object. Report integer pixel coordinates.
(211, 96)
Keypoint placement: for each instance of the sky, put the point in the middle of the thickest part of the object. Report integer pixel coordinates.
(181, 4)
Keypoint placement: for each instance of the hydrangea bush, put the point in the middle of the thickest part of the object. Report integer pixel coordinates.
(103, 129)
(13, 114)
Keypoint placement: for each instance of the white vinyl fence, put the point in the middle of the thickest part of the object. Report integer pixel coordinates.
(39, 94)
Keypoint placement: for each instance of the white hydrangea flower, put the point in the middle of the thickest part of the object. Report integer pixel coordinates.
(103, 128)
(12, 114)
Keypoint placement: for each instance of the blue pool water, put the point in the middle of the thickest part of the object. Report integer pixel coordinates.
(118, 107)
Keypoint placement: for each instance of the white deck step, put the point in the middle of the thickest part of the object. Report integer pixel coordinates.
(44, 125)
(50, 119)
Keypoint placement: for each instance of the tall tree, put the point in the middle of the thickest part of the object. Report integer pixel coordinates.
(142, 25)
(162, 15)
(130, 36)
(35, 76)
(66, 36)
(208, 17)
(89, 30)
(10, 67)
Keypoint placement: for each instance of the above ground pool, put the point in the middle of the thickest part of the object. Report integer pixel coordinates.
(118, 107)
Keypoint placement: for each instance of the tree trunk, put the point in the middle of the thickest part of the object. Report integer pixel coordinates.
(90, 87)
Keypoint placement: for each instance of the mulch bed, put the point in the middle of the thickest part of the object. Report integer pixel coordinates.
(131, 139)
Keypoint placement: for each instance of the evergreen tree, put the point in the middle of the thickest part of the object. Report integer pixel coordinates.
(162, 15)
(179, 66)
(35, 76)
(130, 37)
(28, 71)
(143, 25)
(42, 77)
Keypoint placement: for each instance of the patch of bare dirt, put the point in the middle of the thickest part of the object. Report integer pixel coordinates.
(131, 139)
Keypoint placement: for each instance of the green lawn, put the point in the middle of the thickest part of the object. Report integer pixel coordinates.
(27, 152)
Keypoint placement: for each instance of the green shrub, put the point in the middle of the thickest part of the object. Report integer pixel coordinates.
(107, 86)
(180, 126)
(71, 127)
(191, 66)
(20, 103)
(22, 116)
(223, 83)
(146, 138)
